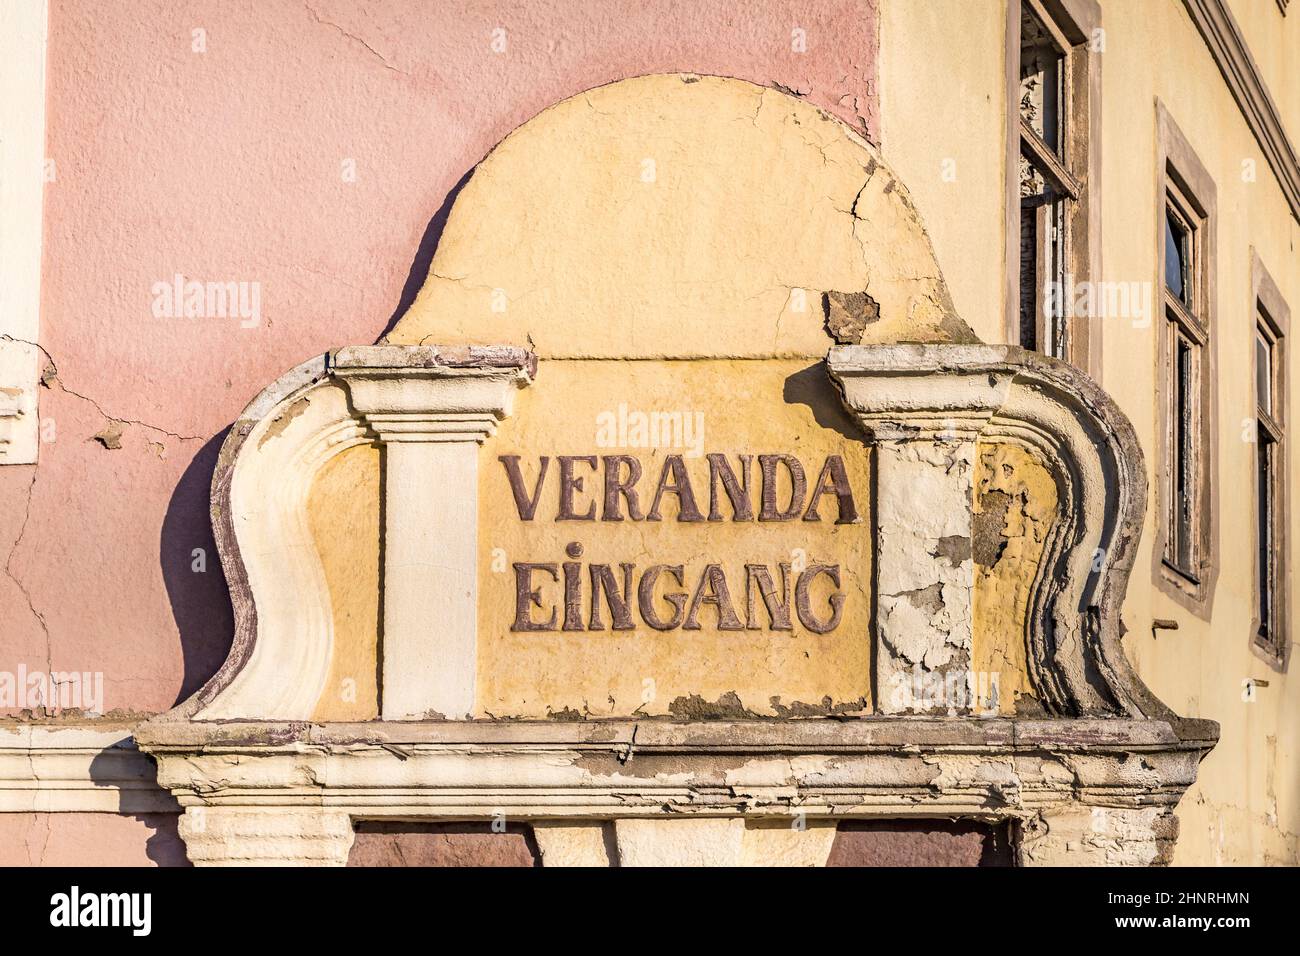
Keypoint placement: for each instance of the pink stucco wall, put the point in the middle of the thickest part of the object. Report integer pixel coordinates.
(228, 165)
(90, 839)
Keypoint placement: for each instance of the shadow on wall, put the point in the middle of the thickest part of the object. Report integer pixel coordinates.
(200, 600)
(163, 846)
(812, 387)
(424, 255)
(196, 586)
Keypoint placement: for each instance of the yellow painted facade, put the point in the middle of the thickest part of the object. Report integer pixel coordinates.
(942, 93)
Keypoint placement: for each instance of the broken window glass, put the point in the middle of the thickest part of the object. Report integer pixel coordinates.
(1176, 256)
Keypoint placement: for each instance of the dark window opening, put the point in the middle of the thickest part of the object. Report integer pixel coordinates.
(1263, 372)
(1049, 189)
(1185, 428)
(1182, 525)
(1176, 262)
(1269, 492)
(1185, 562)
(1042, 67)
(1266, 546)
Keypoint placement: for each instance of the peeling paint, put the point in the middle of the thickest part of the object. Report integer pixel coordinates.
(848, 314)
(110, 436)
(1015, 507)
(284, 420)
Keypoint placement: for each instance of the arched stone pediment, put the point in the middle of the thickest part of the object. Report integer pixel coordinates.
(561, 617)
(604, 228)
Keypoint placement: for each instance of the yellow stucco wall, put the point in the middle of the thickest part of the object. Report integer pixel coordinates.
(943, 133)
(1246, 806)
(344, 512)
(1015, 504)
(942, 95)
(781, 404)
(709, 224)
(1273, 40)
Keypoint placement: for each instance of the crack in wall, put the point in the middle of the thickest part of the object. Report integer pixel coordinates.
(110, 437)
(354, 38)
(50, 377)
(22, 588)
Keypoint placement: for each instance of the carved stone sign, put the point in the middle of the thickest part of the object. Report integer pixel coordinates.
(622, 474)
(675, 556)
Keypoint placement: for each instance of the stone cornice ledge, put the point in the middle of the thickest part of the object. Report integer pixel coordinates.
(990, 768)
(509, 358)
(77, 768)
(1228, 48)
(588, 768)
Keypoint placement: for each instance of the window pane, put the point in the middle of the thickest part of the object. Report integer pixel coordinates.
(1263, 372)
(1028, 278)
(1043, 318)
(1264, 533)
(1184, 498)
(1054, 307)
(1176, 257)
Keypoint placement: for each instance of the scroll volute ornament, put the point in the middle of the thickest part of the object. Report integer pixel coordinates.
(429, 407)
(947, 395)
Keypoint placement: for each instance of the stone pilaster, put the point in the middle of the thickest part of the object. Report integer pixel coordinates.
(1100, 836)
(431, 408)
(574, 842)
(680, 842)
(266, 836)
(924, 429)
(924, 574)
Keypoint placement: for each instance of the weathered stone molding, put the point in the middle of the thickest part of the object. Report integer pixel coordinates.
(943, 398)
(924, 430)
(430, 407)
(283, 623)
(258, 792)
(612, 768)
(571, 774)
(1228, 47)
(77, 768)
(266, 836)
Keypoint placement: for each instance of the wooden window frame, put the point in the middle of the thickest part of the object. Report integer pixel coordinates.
(1186, 566)
(1270, 315)
(1073, 23)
